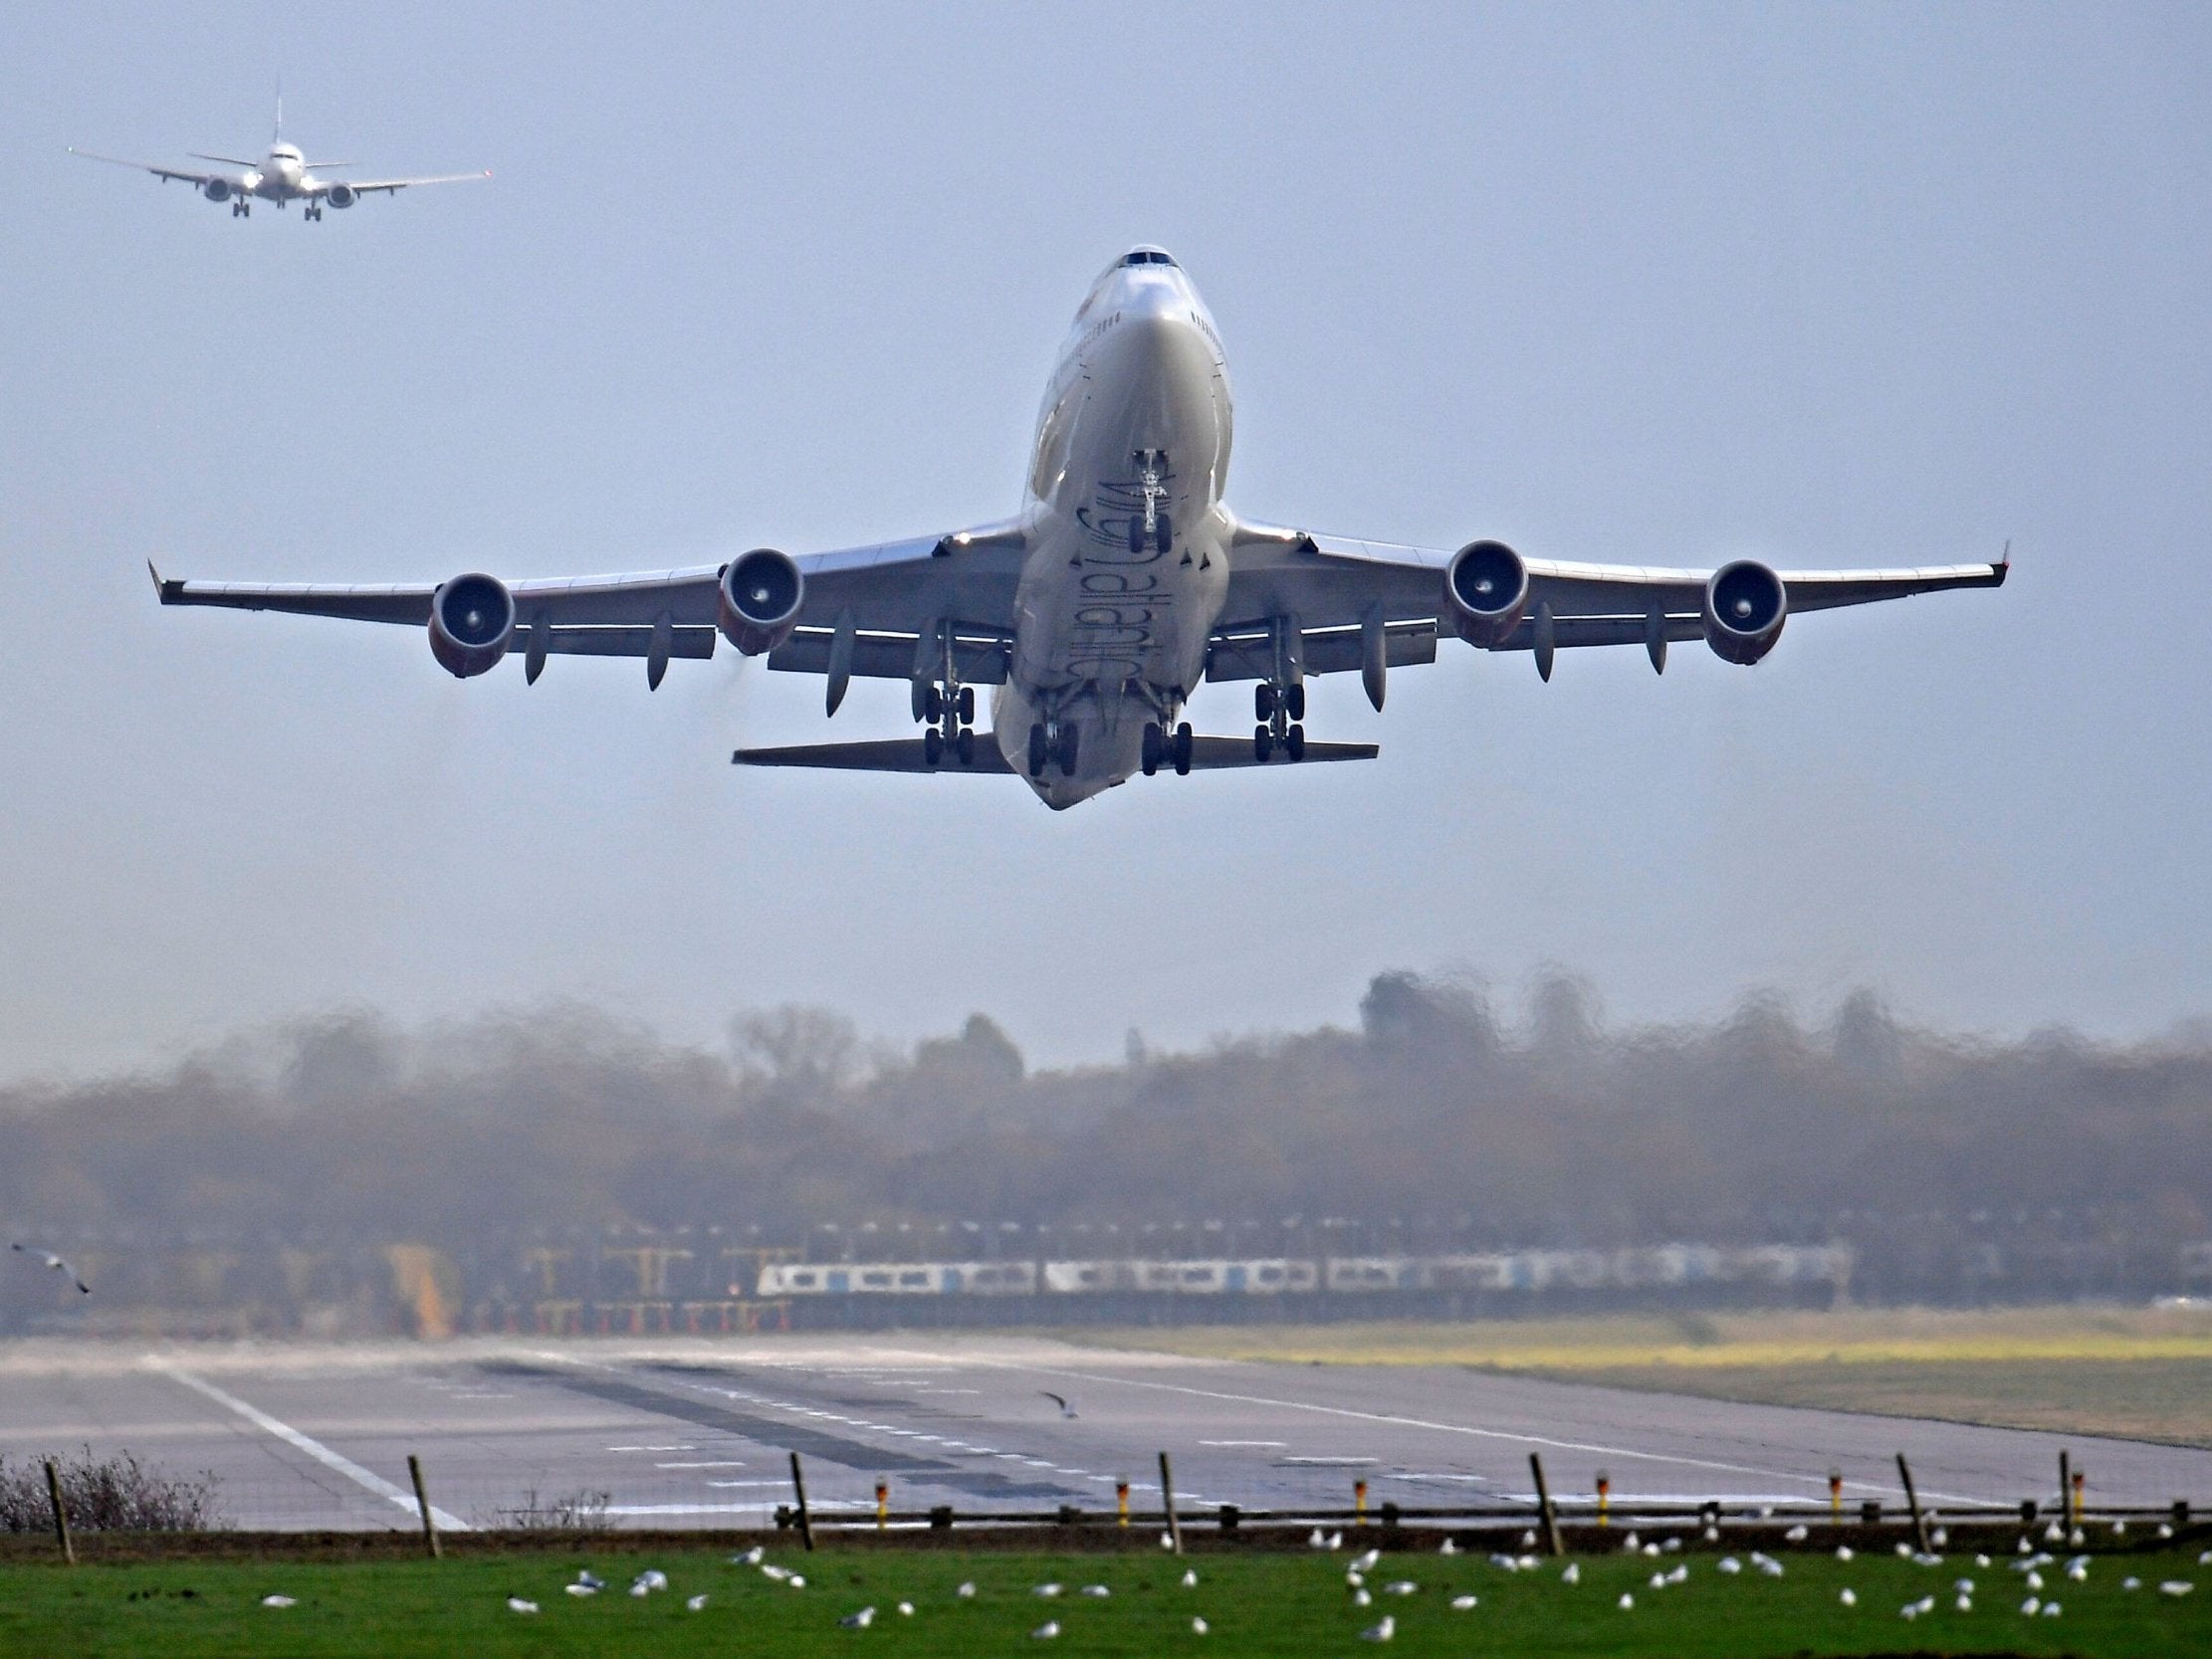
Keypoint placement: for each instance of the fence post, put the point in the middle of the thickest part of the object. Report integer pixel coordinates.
(1834, 1496)
(1359, 1503)
(1604, 1490)
(61, 1513)
(1913, 1502)
(2079, 1475)
(1543, 1503)
(1121, 1502)
(806, 1521)
(422, 1506)
(1167, 1500)
(2065, 1485)
(883, 1505)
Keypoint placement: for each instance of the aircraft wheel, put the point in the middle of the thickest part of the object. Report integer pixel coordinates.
(1165, 533)
(1153, 746)
(1067, 748)
(933, 703)
(1264, 743)
(1037, 751)
(964, 745)
(1136, 533)
(1263, 702)
(1183, 746)
(968, 705)
(1294, 702)
(933, 746)
(1294, 742)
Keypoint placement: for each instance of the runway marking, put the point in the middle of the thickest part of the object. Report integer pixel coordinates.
(1397, 1421)
(747, 1483)
(314, 1448)
(652, 1448)
(706, 1463)
(1277, 1445)
(1326, 1462)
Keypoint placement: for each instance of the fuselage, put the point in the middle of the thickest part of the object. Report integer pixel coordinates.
(1126, 566)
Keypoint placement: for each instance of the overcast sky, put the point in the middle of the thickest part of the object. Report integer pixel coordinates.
(1824, 284)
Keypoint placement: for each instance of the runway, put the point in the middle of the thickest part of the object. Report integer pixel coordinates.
(696, 1434)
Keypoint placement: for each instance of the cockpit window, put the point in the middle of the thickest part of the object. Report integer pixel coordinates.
(1146, 256)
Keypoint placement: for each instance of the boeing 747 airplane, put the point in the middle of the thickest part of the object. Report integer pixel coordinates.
(1122, 583)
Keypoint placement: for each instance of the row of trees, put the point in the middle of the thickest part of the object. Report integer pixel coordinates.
(1554, 1126)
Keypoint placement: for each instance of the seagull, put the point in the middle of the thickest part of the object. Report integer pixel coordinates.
(1964, 1603)
(1797, 1534)
(1448, 1547)
(590, 1580)
(697, 1603)
(796, 1580)
(1626, 1601)
(1095, 1590)
(1046, 1590)
(1045, 1631)
(46, 1259)
(1729, 1564)
(752, 1557)
(1189, 1577)
(1197, 1627)
(515, 1605)
(857, 1621)
(277, 1601)
(967, 1590)
(1848, 1596)
(1572, 1574)
(1362, 1564)
(1060, 1400)
(906, 1609)
(1460, 1604)
(582, 1589)
(1380, 1632)
(1843, 1552)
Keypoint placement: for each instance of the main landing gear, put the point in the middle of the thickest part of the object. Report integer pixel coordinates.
(241, 208)
(951, 712)
(1166, 748)
(313, 210)
(1053, 743)
(1278, 710)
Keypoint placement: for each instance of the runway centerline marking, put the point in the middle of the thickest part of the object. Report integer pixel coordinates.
(706, 1463)
(1444, 1428)
(314, 1448)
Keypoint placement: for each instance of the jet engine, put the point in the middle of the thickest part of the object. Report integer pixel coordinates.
(1745, 607)
(217, 190)
(759, 600)
(341, 196)
(1485, 591)
(472, 623)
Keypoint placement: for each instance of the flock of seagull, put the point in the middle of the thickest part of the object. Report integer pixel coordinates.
(2028, 1564)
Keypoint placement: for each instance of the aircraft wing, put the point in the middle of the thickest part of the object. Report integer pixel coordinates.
(363, 186)
(165, 174)
(897, 593)
(1332, 584)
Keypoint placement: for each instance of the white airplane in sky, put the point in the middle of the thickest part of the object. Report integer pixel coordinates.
(1124, 583)
(282, 175)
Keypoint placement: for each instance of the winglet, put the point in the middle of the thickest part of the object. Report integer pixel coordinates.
(2004, 562)
(166, 591)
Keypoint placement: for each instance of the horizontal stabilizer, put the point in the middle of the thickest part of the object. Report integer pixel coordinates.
(889, 755)
(1213, 754)
(905, 754)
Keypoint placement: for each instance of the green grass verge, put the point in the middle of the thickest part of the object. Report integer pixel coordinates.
(1255, 1604)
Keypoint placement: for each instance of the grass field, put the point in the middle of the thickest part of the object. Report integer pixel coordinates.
(2143, 1373)
(1253, 1603)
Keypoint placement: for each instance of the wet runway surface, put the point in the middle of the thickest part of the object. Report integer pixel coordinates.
(697, 1433)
